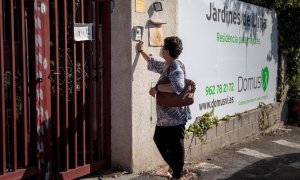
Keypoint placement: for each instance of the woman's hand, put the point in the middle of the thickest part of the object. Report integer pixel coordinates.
(140, 49)
(140, 46)
(152, 92)
(188, 94)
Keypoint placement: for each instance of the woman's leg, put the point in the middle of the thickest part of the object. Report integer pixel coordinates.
(170, 143)
(176, 150)
(161, 139)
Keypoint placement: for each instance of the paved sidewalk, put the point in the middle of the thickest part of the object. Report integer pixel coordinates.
(270, 156)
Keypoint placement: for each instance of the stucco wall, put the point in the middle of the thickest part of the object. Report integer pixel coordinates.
(133, 109)
(145, 154)
(121, 88)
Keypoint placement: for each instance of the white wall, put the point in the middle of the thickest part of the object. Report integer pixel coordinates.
(213, 64)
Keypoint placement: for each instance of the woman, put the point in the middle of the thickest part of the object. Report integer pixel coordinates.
(170, 126)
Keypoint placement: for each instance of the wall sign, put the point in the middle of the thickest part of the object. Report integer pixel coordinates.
(140, 6)
(230, 50)
(83, 32)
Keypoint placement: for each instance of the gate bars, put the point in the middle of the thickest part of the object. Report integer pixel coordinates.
(14, 92)
(82, 128)
(54, 111)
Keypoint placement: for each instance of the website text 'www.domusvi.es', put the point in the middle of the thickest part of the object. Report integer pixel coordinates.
(216, 103)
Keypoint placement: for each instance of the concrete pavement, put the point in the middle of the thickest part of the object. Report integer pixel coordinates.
(271, 156)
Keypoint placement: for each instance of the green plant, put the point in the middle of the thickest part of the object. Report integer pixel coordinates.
(293, 65)
(280, 87)
(226, 118)
(8, 98)
(202, 124)
(266, 112)
(239, 115)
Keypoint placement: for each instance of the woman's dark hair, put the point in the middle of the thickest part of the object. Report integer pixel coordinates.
(174, 45)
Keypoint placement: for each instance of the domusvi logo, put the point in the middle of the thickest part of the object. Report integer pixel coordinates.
(254, 82)
(264, 78)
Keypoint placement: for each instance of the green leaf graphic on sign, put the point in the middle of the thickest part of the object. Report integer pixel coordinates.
(264, 78)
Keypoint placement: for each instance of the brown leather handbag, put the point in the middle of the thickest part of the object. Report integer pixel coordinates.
(185, 98)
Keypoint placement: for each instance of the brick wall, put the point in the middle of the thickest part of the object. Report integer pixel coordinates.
(239, 128)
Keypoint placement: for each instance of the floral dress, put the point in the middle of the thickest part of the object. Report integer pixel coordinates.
(171, 116)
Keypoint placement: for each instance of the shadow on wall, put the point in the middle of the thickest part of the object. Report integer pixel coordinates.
(251, 31)
(246, 9)
(146, 27)
(274, 37)
(280, 167)
(137, 55)
(150, 11)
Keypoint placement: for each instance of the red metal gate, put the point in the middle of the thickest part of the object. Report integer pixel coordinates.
(55, 92)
